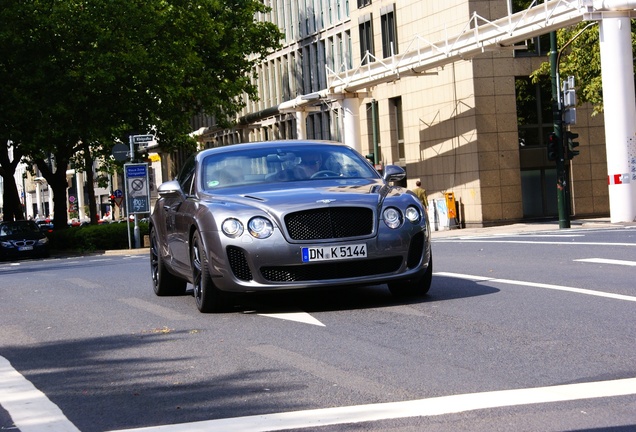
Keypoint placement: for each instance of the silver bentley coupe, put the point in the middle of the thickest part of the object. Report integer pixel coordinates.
(286, 215)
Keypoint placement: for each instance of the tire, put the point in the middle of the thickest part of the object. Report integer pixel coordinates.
(208, 297)
(164, 283)
(414, 287)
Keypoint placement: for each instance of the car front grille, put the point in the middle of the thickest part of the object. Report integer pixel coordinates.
(22, 243)
(329, 223)
(332, 270)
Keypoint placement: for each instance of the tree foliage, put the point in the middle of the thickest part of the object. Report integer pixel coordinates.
(78, 75)
(580, 56)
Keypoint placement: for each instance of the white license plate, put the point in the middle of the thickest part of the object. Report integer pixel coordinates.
(329, 253)
(25, 248)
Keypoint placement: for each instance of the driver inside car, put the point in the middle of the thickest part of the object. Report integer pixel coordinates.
(310, 164)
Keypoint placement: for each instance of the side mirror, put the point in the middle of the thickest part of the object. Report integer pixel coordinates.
(170, 189)
(393, 173)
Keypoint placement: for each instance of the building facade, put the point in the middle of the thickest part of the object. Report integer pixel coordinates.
(476, 127)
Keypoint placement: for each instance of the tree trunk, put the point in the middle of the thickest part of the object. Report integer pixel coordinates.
(58, 184)
(90, 184)
(13, 209)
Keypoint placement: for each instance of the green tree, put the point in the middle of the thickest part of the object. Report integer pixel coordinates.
(79, 75)
(580, 56)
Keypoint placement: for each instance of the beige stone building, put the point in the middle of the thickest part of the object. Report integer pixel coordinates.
(476, 127)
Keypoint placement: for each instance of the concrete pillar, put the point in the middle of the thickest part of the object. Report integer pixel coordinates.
(620, 116)
(351, 122)
(301, 125)
(38, 198)
(79, 176)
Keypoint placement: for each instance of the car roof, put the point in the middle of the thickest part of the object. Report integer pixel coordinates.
(278, 143)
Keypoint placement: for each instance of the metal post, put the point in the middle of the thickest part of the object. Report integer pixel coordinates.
(562, 180)
(136, 232)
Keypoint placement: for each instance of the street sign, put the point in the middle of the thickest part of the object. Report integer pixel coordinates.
(138, 139)
(142, 138)
(118, 193)
(137, 190)
(120, 152)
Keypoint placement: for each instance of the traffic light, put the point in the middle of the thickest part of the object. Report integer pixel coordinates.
(553, 149)
(112, 201)
(571, 136)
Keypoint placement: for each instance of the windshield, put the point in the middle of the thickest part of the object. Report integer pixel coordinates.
(270, 164)
(18, 227)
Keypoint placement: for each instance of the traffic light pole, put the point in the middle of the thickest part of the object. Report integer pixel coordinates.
(557, 116)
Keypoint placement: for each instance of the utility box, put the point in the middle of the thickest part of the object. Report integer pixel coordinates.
(450, 205)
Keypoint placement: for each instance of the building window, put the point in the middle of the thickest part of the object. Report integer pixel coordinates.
(534, 111)
(397, 126)
(363, 3)
(365, 25)
(348, 54)
(389, 32)
(373, 127)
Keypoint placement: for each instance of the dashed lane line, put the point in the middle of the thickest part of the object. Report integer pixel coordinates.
(607, 261)
(538, 285)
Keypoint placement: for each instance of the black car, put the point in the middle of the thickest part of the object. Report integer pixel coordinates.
(22, 238)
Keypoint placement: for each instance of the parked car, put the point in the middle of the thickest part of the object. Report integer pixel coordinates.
(22, 238)
(286, 215)
(44, 226)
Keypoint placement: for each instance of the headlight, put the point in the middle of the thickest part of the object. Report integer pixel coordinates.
(232, 227)
(6, 244)
(412, 214)
(43, 241)
(392, 217)
(260, 228)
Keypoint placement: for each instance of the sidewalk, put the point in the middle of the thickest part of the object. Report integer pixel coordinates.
(529, 227)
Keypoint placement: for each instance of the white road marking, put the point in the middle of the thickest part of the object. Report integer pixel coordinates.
(415, 408)
(301, 317)
(538, 285)
(30, 409)
(487, 240)
(607, 261)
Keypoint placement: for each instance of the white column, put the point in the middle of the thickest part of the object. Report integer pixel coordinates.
(79, 177)
(620, 116)
(301, 125)
(38, 197)
(351, 122)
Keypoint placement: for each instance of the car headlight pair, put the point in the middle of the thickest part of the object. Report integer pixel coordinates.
(258, 227)
(393, 217)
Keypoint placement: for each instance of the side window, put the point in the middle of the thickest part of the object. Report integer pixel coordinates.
(186, 176)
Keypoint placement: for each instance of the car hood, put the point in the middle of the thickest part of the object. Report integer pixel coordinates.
(301, 195)
(22, 236)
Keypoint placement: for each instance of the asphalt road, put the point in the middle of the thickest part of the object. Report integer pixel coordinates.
(524, 329)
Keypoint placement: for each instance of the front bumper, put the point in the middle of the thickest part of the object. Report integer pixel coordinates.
(246, 264)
